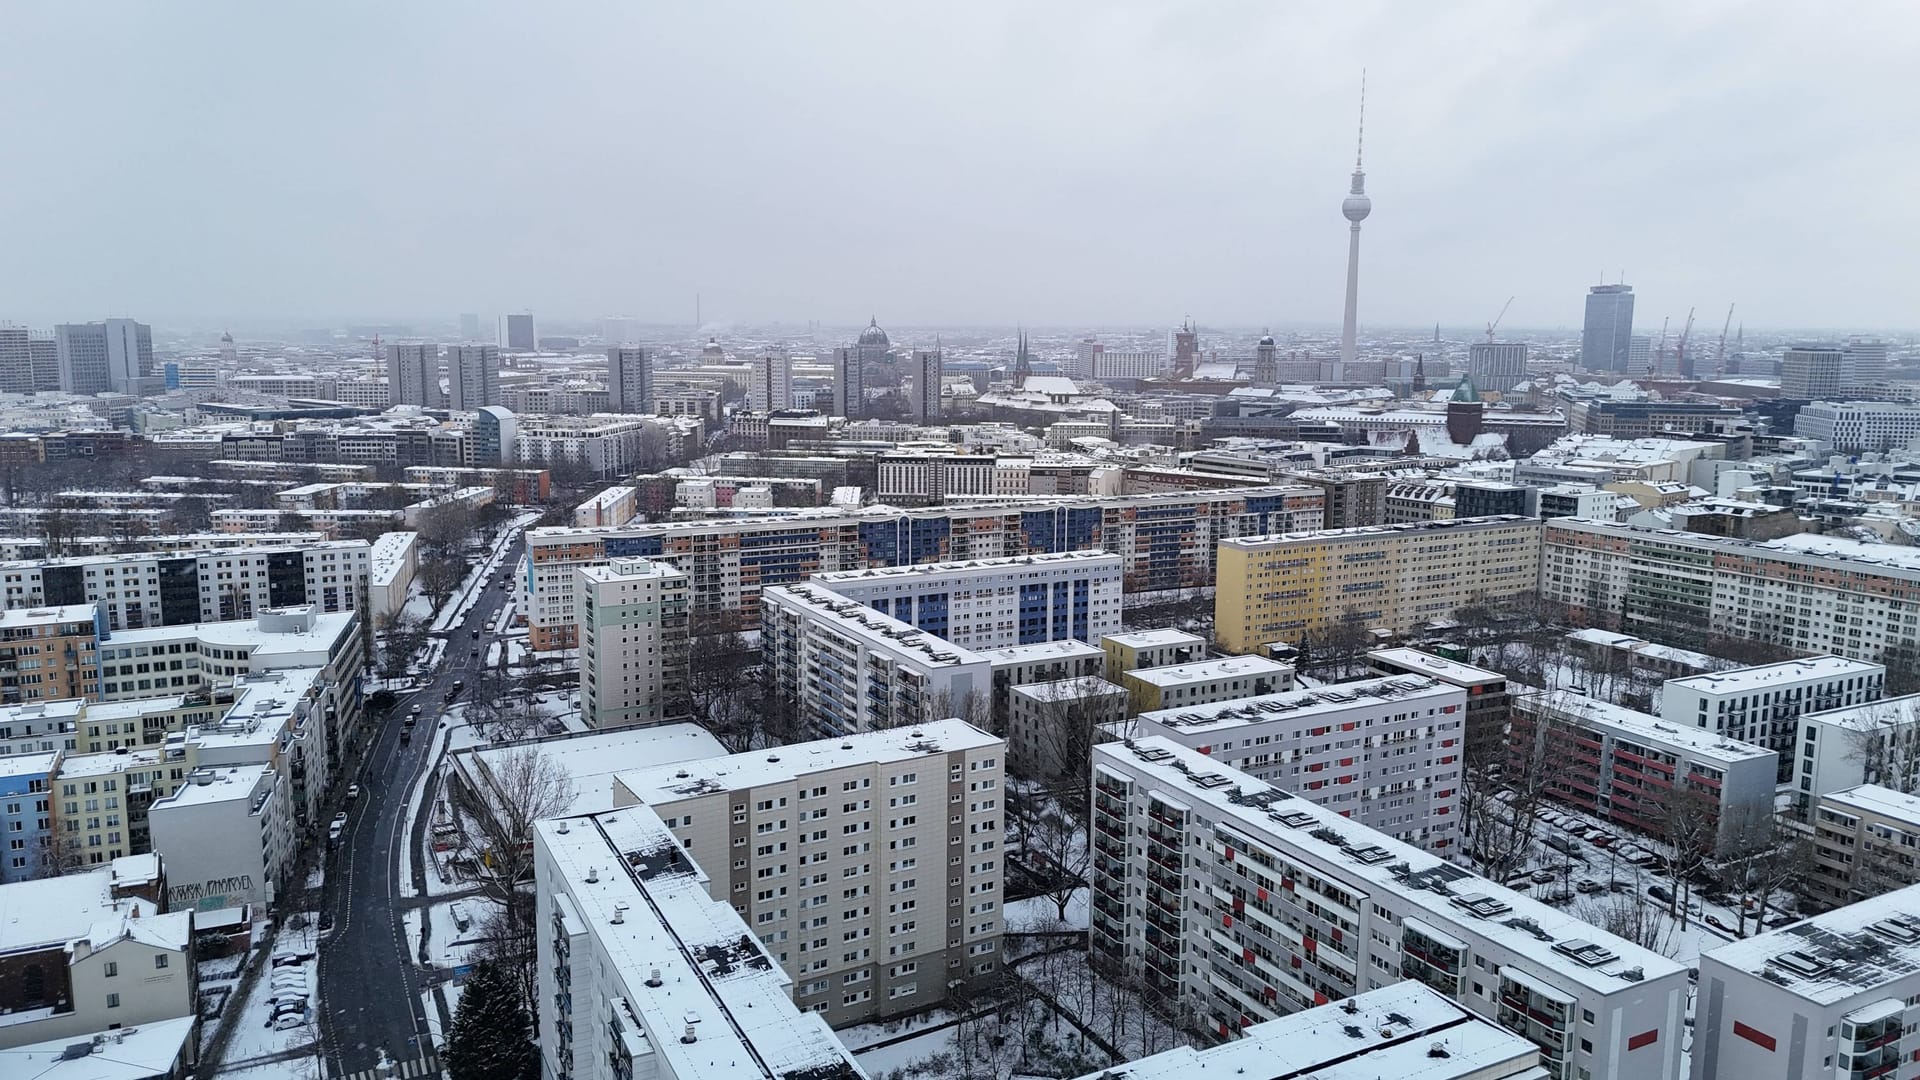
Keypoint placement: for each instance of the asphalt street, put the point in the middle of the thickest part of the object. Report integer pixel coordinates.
(370, 977)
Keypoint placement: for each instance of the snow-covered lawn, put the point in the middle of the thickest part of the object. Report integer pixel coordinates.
(1041, 913)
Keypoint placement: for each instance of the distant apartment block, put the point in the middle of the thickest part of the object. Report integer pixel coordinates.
(633, 644)
(48, 653)
(1150, 649)
(1866, 841)
(1762, 705)
(985, 604)
(1204, 682)
(1853, 427)
(1299, 586)
(1877, 742)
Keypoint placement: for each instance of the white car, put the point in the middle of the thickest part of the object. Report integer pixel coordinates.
(289, 1021)
(353, 792)
(339, 826)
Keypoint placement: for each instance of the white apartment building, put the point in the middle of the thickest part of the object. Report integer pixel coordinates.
(1047, 723)
(1116, 364)
(151, 588)
(1384, 752)
(643, 974)
(1852, 427)
(984, 604)
(1763, 704)
(1205, 681)
(1835, 996)
(1620, 764)
(607, 446)
(928, 479)
(1866, 841)
(614, 506)
(1811, 373)
(1150, 649)
(228, 837)
(1217, 888)
(868, 866)
(770, 381)
(850, 668)
(1392, 1031)
(1811, 594)
(391, 564)
(633, 643)
(1877, 742)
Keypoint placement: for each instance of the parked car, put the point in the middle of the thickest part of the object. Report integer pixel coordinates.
(476, 634)
(1782, 919)
(1588, 885)
(288, 1021)
(1542, 877)
(339, 826)
(1600, 840)
(353, 792)
(1559, 896)
(1714, 921)
(1660, 893)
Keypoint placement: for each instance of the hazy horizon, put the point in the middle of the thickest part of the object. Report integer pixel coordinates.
(1067, 165)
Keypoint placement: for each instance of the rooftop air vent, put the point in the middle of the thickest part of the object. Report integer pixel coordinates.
(593, 875)
(1801, 963)
(1482, 905)
(1586, 952)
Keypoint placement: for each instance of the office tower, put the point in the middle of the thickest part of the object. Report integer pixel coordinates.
(926, 386)
(633, 644)
(849, 383)
(413, 376)
(1498, 366)
(1215, 888)
(1852, 427)
(1639, 355)
(95, 358)
(473, 376)
(1607, 335)
(469, 327)
(496, 436)
(1863, 365)
(516, 333)
(29, 362)
(629, 379)
(770, 381)
(229, 352)
(1812, 373)
(1085, 354)
(1356, 207)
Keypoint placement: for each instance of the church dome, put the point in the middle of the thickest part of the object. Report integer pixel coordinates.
(873, 335)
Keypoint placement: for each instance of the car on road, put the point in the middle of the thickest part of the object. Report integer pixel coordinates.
(476, 654)
(339, 826)
(1714, 921)
(415, 711)
(476, 634)
(1588, 885)
(353, 792)
(406, 736)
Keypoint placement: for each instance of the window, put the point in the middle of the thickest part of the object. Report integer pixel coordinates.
(159, 961)
(112, 969)
(113, 1001)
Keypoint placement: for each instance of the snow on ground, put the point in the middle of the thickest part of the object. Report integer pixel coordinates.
(1041, 913)
(449, 946)
(253, 1032)
(864, 1035)
(296, 1069)
(886, 1059)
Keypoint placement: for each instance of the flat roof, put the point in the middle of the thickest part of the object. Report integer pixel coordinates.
(1293, 704)
(715, 975)
(140, 1052)
(892, 635)
(53, 911)
(593, 760)
(1439, 667)
(1874, 799)
(35, 764)
(42, 616)
(1069, 689)
(1378, 532)
(389, 551)
(57, 711)
(663, 784)
(1040, 652)
(1430, 884)
(1836, 955)
(112, 761)
(1209, 670)
(1702, 743)
(1747, 679)
(225, 783)
(627, 568)
(1378, 1033)
(328, 627)
(1887, 712)
(919, 570)
(1148, 639)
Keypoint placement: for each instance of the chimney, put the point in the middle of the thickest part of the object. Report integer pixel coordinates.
(653, 977)
(689, 1038)
(593, 875)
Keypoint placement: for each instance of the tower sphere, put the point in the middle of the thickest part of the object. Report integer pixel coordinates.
(1356, 207)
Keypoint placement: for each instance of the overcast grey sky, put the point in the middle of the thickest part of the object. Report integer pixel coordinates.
(1057, 163)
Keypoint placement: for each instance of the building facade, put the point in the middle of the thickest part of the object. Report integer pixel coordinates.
(1853, 427)
(633, 643)
(1298, 586)
(48, 653)
(1762, 705)
(115, 356)
(473, 377)
(1497, 366)
(1866, 841)
(413, 376)
(1607, 333)
(984, 604)
(629, 380)
(1812, 373)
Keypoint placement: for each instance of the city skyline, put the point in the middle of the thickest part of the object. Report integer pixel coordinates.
(578, 193)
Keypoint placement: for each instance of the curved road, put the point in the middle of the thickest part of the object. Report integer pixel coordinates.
(370, 978)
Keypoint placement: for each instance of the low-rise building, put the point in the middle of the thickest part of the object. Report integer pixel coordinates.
(1866, 841)
(391, 564)
(1150, 649)
(1204, 682)
(1213, 887)
(1640, 771)
(1047, 661)
(26, 813)
(1385, 752)
(1834, 995)
(1877, 742)
(1051, 725)
(101, 801)
(228, 837)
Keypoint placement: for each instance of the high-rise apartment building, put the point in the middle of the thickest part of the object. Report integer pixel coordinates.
(770, 381)
(1213, 887)
(1116, 364)
(633, 644)
(868, 865)
(1497, 365)
(413, 376)
(161, 588)
(1639, 355)
(1385, 752)
(29, 362)
(994, 603)
(1607, 334)
(848, 668)
(1863, 366)
(516, 333)
(49, 653)
(849, 384)
(925, 376)
(1086, 353)
(473, 376)
(629, 379)
(111, 356)
(1295, 587)
(1812, 373)
(1831, 996)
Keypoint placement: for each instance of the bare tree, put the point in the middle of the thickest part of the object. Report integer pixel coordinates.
(401, 636)
(1502, 788)
(1774, 858)
(516, 789)
(440, 574)
(1686, 820)
(1886, 743)
(1629, 916)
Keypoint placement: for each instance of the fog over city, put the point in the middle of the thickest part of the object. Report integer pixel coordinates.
(1105, 164)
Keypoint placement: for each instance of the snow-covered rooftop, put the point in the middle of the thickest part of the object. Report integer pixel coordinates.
(715, 976)
(1391, 1031)
(663, 784)
(21, 618)
(1887, 712)
(1874, 799)
(1203, 671)
(1086, 686)
(131, 1053)
(1832, 957)
(1153, 639)
(53, 911)
(1748, 679)
(594, 760)
(1291, 705)
(921, 570)
(1439, 667)
(1702, 743)
(27, 764)
(884, 632)
(1041, 652)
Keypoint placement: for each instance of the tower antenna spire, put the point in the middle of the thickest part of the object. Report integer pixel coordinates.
(1361, 144)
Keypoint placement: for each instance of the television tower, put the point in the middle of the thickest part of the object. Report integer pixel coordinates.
(1356, 208)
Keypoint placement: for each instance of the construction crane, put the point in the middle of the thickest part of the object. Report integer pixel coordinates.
(1722, 362)
(1496, 319)
(1660, 354)
(1680, 352)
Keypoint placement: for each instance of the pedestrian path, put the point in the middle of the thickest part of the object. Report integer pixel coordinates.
(420, 1068)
